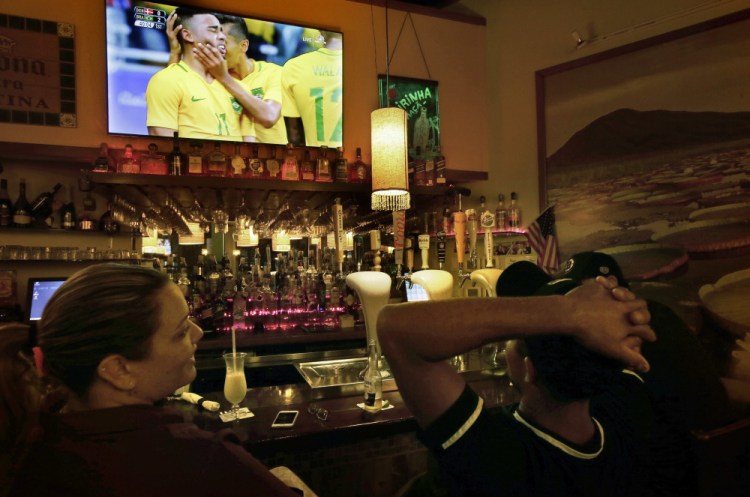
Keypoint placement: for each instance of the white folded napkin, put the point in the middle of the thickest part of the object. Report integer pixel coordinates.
(386, 405)
(196, 399)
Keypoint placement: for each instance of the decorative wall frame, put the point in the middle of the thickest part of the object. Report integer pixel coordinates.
(645, 152)
(37, 62)
(419, 98)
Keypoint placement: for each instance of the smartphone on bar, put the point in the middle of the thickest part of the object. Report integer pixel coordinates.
(285, 419)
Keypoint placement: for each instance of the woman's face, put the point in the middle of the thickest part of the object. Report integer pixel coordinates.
(170, 359)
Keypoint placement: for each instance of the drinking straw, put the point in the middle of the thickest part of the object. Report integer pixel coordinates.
(234, 350)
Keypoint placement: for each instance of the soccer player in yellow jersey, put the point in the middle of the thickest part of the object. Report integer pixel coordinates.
(185, 97)
(312, 95)
(262, 80)
(256, 85)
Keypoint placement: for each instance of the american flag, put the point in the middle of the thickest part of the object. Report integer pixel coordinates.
(543, 239)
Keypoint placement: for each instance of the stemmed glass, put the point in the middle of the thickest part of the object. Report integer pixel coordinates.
(235, 383)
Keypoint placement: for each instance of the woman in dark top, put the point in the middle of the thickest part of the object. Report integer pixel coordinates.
(113, 340)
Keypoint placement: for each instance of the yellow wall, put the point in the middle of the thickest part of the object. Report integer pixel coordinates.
(455, 53)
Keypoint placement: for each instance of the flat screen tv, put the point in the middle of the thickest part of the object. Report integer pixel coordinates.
(295, 71)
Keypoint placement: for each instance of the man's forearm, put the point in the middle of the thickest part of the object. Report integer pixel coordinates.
(262, 111)
(439, 330)
(608, 322)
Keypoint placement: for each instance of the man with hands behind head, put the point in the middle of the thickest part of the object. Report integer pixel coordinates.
(579, 428)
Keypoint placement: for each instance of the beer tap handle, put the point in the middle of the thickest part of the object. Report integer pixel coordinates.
(399, 226)
(459, 226)
(424, 246)
(375, 247)
(471, 222)
(487, 220)
(409, 254)
(441, 248)
(424, 242)
(339, 235)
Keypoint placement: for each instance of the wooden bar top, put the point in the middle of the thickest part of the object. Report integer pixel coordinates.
(345, 422)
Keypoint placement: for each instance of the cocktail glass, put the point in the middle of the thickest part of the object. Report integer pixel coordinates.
(235, 383)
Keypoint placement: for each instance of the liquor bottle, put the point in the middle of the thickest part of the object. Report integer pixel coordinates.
(419, 168)
(238, 163)
(129, 163)
(103, 162)
(359, 172)
(373, 380)
(429, 171)
(255, 165)
(501, 214)
(440, 172)
(177, 161)
(514, 213)
(183, 281)
(216, 162)
(68, 211)
(6, 206)
(323, 166)
(272, 165)
(195, 159)
(107, 222)
(41, 207)
(153, 162)
(290, 167)
(341, 169)
(307, 168)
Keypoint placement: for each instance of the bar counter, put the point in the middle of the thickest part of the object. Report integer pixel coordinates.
(331, 455)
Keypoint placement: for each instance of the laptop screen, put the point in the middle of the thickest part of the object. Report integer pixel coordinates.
(415, 292)
(38, 293)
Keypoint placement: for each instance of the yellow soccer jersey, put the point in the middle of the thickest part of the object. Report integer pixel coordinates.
(179, 98)
(311, 90)
(264, 83)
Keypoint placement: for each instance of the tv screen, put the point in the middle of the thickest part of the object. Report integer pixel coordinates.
(38, 293)
(286, 81)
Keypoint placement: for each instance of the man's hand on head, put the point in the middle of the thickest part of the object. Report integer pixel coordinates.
(612, 321)
(212, 60)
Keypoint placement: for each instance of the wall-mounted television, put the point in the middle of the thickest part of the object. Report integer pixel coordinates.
(291, 76)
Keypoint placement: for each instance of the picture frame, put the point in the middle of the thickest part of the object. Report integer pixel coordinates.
(41, 84)
(644, 150)
(419, 98)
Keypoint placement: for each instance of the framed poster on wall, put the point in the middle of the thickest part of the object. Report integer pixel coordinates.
(419, 98)
(39, 78)
(645, 152)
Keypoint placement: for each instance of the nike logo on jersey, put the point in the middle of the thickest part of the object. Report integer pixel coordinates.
(197, 99)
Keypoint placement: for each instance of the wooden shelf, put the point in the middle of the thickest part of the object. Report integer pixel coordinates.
(147, 190)
(59, 231)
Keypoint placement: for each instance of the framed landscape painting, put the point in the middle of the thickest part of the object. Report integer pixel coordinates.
(645, 152)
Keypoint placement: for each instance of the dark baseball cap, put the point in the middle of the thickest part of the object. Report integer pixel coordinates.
(587, 265)
(524, 279)
(569, 370)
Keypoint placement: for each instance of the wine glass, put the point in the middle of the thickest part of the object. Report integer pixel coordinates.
(235, 384)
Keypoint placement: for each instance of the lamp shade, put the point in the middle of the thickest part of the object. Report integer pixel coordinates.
(390, 177)
(195, 237)
(246, 237)
(280, 242)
